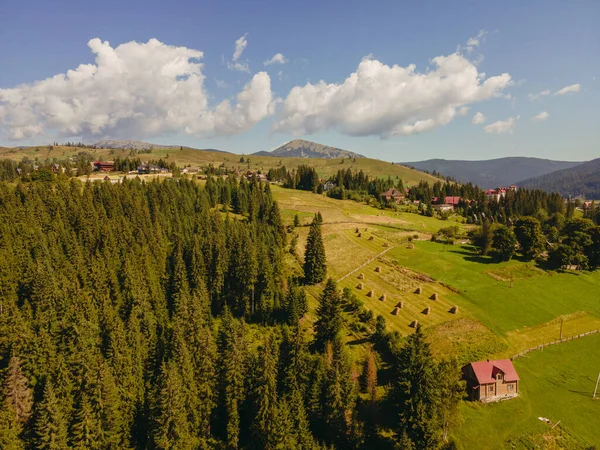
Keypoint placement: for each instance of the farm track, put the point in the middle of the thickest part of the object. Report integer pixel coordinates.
(363, 265)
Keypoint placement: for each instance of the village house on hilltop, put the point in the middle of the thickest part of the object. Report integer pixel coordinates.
(490, 381)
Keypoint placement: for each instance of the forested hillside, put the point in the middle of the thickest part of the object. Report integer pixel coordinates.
(582, 180)
(140, 315)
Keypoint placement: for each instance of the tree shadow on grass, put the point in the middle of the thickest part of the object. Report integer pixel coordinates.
(474, 257)
(360, 341)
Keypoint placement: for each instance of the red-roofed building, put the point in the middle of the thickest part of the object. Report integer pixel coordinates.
(489, 381)
(393, 194)
(454, 201)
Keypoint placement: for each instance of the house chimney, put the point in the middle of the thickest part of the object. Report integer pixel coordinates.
(488, 360)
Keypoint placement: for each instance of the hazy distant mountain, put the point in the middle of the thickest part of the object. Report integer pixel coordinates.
(581, 180)
(493, 173)
(130, 145)
(299, 148)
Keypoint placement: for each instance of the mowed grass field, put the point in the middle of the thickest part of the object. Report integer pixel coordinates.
(556, 383)
(191, 157)
(504, 308)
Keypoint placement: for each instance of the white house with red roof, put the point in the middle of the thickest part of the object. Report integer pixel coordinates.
(490, 381)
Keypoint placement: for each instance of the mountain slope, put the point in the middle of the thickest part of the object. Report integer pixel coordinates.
(299, 148)
(130, 145)
(581, 180)
(493, 172)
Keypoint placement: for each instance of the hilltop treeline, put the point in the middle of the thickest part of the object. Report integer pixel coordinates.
(138, 315)
(350, 184)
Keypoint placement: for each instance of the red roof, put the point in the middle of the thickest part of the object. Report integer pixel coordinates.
(452, 201)
(486, 371)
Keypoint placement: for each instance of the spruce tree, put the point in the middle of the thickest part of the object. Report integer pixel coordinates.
(17, 391)
(315, 264)
(50, 422)
(416, 392)
(329, 315)
(171, 428)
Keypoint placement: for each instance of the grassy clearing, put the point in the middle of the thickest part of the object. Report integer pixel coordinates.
(556, 383)
(536, 297)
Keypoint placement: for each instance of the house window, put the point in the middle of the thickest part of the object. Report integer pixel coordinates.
(510, 387)
(491, 388)
(499, 376)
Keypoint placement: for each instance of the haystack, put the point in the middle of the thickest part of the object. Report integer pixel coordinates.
(419, 290)
(410, 246)
(414, 323)
(365, 229)
(454, 309)
(382, 298)
(361, 276)
(371, 293)
(427, 310)
(378, 269)
(360, 286)
(396, 311)
(433, 296)
(359, 234)
(370, 238)
(399, 304)
(356, 231)
(385, 244)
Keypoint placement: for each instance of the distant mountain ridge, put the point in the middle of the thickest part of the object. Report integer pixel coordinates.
(492, 173)
(130, 145)
(581, 180)
(299, 148)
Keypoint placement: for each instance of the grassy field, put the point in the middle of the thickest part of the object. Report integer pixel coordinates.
(535, 298)
(556, 383)
(187, 156)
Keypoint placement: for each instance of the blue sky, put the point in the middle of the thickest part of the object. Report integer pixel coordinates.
(523, 48)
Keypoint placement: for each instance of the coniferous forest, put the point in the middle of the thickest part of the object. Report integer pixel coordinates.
(141, 315)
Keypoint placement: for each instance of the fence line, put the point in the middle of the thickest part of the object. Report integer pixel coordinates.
(558, 341)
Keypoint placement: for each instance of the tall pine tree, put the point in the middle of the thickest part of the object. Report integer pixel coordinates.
(315, 264)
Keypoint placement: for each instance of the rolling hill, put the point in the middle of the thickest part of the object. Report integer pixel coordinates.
(185, 156)
(299, 148)
(492, 173)
(582, 180)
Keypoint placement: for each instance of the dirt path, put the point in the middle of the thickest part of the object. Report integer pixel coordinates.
(363, 265)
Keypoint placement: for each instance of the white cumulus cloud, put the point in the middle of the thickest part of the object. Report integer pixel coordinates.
(240, 46)
(478, 118)
(132, 90)
(541, 116)
(568, 89)
(388, 101)
(475, 41)
(276, 59)
(502, 126)
(539, 94)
